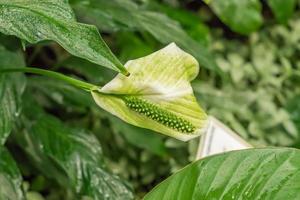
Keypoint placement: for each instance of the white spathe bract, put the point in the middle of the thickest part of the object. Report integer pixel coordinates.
(157, 95)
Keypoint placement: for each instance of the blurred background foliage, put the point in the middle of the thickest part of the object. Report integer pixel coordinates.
(248, 51)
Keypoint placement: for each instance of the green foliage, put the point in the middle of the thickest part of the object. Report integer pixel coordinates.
(249, 174)
(144, 139)
(282, 10)
(11, 89)
(36, 21)
(242, 16)
(293, 107)
(120, 14)
(260, 81)
(10, 177)
(72, 157)
(63, 146)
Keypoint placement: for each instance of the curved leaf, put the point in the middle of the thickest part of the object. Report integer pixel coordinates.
(125, 14)
(242, 16)
(269, 174)
(282, 10)
(38, 20)
(10, 177)
(157, 95)
(72, 157)
(11, 89)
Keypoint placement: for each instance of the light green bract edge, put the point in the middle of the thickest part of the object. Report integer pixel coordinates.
(157, 95)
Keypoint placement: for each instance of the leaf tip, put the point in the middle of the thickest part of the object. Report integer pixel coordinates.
(127, 73)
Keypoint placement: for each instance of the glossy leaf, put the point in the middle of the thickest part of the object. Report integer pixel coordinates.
(10, 177)
(242, 16)
(157, 95)
(11, 89)
(269, 174)
(72, 157)
(125, 14)
(39, 20)
(282, 10)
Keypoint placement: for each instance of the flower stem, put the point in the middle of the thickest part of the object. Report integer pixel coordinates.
(72, 81)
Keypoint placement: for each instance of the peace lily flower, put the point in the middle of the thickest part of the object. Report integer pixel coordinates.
(157, 95)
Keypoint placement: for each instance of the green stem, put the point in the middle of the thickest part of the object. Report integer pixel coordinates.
(72, 81)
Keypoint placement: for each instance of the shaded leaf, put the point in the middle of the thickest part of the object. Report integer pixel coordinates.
(11, 89)
(157, 95)
(88, 70)
(10, 177)
(293, 107)
(60, 92)
(126, 13)
(191, 22)
(242, 16)
(270, 174)
(141, 138)
(72, 157)
(282, 10)
(38, 20)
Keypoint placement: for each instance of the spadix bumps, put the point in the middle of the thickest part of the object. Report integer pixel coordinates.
(162, 116)
(157, 95)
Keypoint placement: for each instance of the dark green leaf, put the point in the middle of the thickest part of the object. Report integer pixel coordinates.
(11, 89)
(192, 23)
(88, 70)
(269, 174)
(10, 177)
(38, 20)
(130, 15)
(293, 107)
(139, 137)
(242, 16)
(131, 46)
(282, 10)
(107, 15)
(61, 92)
(73, 158)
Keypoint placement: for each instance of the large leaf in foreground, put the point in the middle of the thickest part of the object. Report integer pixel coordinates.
(38, 20)
(125, 14)
(242, 16)
(72, 157)
(11, 89)
(269, 174)
(10, 177)
(157, 95)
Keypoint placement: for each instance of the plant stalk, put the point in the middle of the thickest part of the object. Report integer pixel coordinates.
(72, 81)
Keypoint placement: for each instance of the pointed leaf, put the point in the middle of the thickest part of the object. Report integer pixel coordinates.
(10, 177)
(157, 95)
(11, 89)
(38, 20)
(269, 174)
